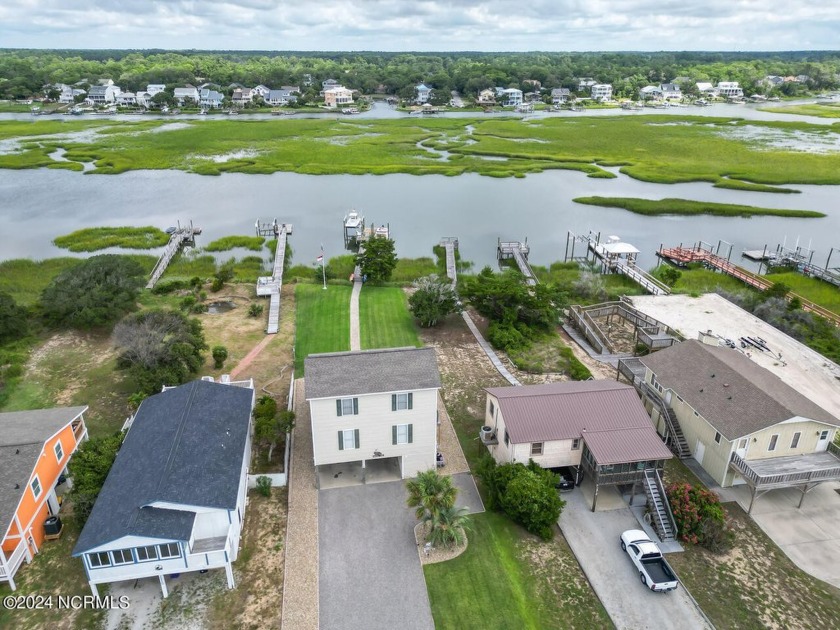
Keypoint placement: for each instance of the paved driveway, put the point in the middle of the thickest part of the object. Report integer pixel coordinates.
(593, 537)
(370, 575)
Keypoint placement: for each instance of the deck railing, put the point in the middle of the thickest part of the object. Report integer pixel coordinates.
(739, 464)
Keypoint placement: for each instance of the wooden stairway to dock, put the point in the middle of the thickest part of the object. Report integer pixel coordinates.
(179, 238)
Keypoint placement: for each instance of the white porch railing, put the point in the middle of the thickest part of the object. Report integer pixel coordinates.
(13, 562)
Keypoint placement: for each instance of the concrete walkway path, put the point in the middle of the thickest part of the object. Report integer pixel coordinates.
(488, 350)
(300, 582)
(355, 334)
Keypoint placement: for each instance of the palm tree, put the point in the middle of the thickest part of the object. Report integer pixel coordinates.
(429, 493)
(447, 527)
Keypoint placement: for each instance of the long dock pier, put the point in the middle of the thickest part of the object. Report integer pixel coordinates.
(682, 256)
(450, 245)
(505, 250)
(271, 285)
(178, 238)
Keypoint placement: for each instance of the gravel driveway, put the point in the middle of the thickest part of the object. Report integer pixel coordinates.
(370, 575)
(594, 539)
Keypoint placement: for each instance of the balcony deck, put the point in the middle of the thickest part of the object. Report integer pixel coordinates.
(206, 545)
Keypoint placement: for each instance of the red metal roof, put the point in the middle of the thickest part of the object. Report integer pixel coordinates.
(607, 414)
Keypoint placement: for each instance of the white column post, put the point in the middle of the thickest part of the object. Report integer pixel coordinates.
(163, 588)
(94, 590)
(229, 572)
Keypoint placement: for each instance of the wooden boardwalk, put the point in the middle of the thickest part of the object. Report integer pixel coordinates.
(450, 244)
(179, 238)
(682, 256)
(271, 285)
(519, 252)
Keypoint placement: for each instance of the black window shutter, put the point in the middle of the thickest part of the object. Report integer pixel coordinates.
(410, 433)
(410, 400)
(393, 402)
(356, 435)
(355, 406)
(341, 440)
(394, 434)
(338, 407)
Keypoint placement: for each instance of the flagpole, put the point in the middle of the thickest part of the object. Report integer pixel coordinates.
(323, 267)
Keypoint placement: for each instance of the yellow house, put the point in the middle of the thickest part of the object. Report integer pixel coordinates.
(742, 423)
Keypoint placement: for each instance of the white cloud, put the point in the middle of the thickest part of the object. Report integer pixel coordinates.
(422, 24)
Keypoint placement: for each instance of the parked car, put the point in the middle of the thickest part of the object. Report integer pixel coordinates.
(566, 479)
(654, 571)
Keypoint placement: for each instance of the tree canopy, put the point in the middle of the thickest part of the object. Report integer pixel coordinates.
(96, 292)
(377, 259)
(432, 300)
(88, 469)
(14, 319)
(160, 347)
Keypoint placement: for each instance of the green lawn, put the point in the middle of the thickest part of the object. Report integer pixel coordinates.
(496, 584)
(384, 319)
(322, 321)
(818, 291)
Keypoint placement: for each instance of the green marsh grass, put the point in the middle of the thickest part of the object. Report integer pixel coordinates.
(96, 238)
(737, 184)
(813, 289)
(226, 243)
(820, 110)
(688, 207)
(322, 321)
(384, 319)
(25, 279)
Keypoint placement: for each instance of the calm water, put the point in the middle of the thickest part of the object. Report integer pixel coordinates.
(38, 205)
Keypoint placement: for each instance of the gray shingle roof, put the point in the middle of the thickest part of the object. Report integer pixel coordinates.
(185, 446)
(370, 372)
(735, 395)
(22, 436)
(608, 415)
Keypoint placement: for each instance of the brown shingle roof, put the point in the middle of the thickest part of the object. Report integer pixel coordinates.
(607, 414)
(734, 394)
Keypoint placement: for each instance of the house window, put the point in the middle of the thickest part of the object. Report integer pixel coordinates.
(169, 550)
(400, 402)
(824, 435)
(576, 444)
(537, 448)
(773, 439)
(717, 437)
(507, 439)
(347, 406)
(742, 444)
(59, 452)
(36, 487)
(122, 556)
(492, 409)
(795, 441)
(102, 559)
(402, 434)
(147, 553)
(348, 440)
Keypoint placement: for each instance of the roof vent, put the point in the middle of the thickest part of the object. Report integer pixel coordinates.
(726, 384)
(713, 375)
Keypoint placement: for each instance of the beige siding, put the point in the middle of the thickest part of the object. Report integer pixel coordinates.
(810, 431)
(555, 453)
(374, 422)
(500, 452)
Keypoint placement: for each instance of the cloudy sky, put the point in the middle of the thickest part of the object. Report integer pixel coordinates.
(423, 25)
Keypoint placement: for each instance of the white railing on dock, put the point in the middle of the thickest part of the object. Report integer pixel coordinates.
(176, 241)
(450, 244)
(644, 279)
(273, 285)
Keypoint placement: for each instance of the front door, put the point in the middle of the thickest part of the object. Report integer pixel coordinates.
(822, 443)
(699, 451)
(741, 451)
(668, 398)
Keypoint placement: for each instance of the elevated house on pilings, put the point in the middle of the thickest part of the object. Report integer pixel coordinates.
(739, 421)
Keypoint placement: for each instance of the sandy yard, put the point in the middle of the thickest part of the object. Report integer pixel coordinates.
(804, 369)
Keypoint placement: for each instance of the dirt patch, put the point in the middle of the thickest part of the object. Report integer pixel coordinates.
(599, 370)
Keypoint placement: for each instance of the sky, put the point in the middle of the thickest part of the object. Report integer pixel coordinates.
(423, 25)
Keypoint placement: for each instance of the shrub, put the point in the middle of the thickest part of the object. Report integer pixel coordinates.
(700, 517)
(506, 337)
(217, 285)
(255, 310)
(219, 353)
(264, 485)
(199, 308)
(195, 282)
(14, 319)
(163, 288)
(187, 303)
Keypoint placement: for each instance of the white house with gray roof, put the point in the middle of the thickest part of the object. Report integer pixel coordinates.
(174, 500)
(374, 408)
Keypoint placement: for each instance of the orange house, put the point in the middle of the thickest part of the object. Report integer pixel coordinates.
(35, 447)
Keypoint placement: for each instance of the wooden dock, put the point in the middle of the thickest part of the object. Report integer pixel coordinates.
(618, 257)
(682, 256)
(450, 245)
(178, 239)
(271, 285)
(505, 250)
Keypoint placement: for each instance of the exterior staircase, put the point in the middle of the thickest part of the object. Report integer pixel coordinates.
(662, 519)
(676, 439)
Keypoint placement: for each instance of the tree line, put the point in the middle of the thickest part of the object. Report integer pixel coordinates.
(23, 73)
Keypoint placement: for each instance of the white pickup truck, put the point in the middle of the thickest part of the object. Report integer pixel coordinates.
(653, 569)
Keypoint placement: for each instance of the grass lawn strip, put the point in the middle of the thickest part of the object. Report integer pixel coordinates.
(818, 291)
(322, 321)
(385, 320)
(686, 207)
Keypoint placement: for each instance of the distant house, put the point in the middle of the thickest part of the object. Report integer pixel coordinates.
(126, 99)
(742, 423)
(174, 500)
(729, 89)
(67, 93)
(338, 96)
(423, 93)
(707, 89)
(511, 97)
(533, 84)
(374, 409)
(261, 91)
(242, 95)
(599, 427)
(285, 95)
(670, 91)
(601, 92)
(144, 99)
(329, 84)
(155, 88)
(487, 97)
(585, 84)
(772, 80)
(560, 95)
(186, 94)
(650, 92)
(103, 94)
(35, 448)
(210, 99)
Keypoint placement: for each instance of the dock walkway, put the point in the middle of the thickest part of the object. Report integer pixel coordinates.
(179, 238)
(271, 285)
(519, 252)
(450, 244)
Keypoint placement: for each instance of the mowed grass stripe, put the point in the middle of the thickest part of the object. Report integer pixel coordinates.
(385, 320)
(322, 320)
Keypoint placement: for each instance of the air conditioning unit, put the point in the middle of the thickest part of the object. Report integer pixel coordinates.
(209, 379)
(486, 433)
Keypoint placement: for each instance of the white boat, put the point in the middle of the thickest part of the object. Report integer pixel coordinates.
(353, 220)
